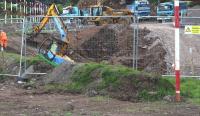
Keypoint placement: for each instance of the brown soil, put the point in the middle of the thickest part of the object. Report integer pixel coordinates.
(114, 43)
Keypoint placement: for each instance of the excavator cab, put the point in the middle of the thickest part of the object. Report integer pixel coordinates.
(96, 11)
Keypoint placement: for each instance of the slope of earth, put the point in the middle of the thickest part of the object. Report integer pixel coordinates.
(114, 43)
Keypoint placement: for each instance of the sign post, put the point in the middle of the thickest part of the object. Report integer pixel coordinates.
(177, 49)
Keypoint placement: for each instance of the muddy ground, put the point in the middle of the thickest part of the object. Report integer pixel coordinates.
(14, 100)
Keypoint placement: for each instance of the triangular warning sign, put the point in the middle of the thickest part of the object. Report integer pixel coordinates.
(188, 29)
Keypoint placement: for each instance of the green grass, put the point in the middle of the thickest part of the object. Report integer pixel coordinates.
(190, 88)
(102, 76)
(16, 57)
(30, 59)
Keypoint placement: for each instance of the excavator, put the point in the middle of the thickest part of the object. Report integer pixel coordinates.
(100, 10)
(56, 52)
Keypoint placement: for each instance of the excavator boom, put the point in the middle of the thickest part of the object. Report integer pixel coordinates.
(52, 11)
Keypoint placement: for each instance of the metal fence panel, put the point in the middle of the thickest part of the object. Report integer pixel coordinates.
(11, 56)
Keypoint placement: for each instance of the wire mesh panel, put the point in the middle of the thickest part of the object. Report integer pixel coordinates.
(192, 17)
(11, 53)
(90, 42)
(155, 46)
(190, 49)
(156, 41)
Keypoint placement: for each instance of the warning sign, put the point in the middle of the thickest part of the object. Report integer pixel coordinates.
(192, 29)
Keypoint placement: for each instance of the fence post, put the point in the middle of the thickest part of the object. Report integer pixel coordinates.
(177, 49)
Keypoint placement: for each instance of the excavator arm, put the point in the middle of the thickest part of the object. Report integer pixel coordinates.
(44, 20)
(52, 11)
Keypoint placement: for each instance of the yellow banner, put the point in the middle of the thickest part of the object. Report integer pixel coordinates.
(190, 29)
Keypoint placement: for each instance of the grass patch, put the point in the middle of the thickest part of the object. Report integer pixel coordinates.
(190, 88)
(101, 99)
(30, 59)
(116, 81)
(16, 58)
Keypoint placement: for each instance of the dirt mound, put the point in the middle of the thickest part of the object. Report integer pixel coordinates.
(102, 45)
(115, 44)
(116, 81)
(60, 74)
(151, 51)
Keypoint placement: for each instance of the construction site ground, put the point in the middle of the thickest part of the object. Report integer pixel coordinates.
(112, 43)
(17, 101)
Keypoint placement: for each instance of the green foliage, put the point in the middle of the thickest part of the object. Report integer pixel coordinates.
(60, 8)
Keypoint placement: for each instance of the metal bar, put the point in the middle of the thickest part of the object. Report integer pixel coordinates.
(182, 76)
(25, 25)
(190, 17)
(137, 41)
(22, 45)
(12, 18)
(81, 16)
(5, 8)
(194, 9)
(11, 9)
(164, 17)
(9, 75)
(36, 73)
(134, 38)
